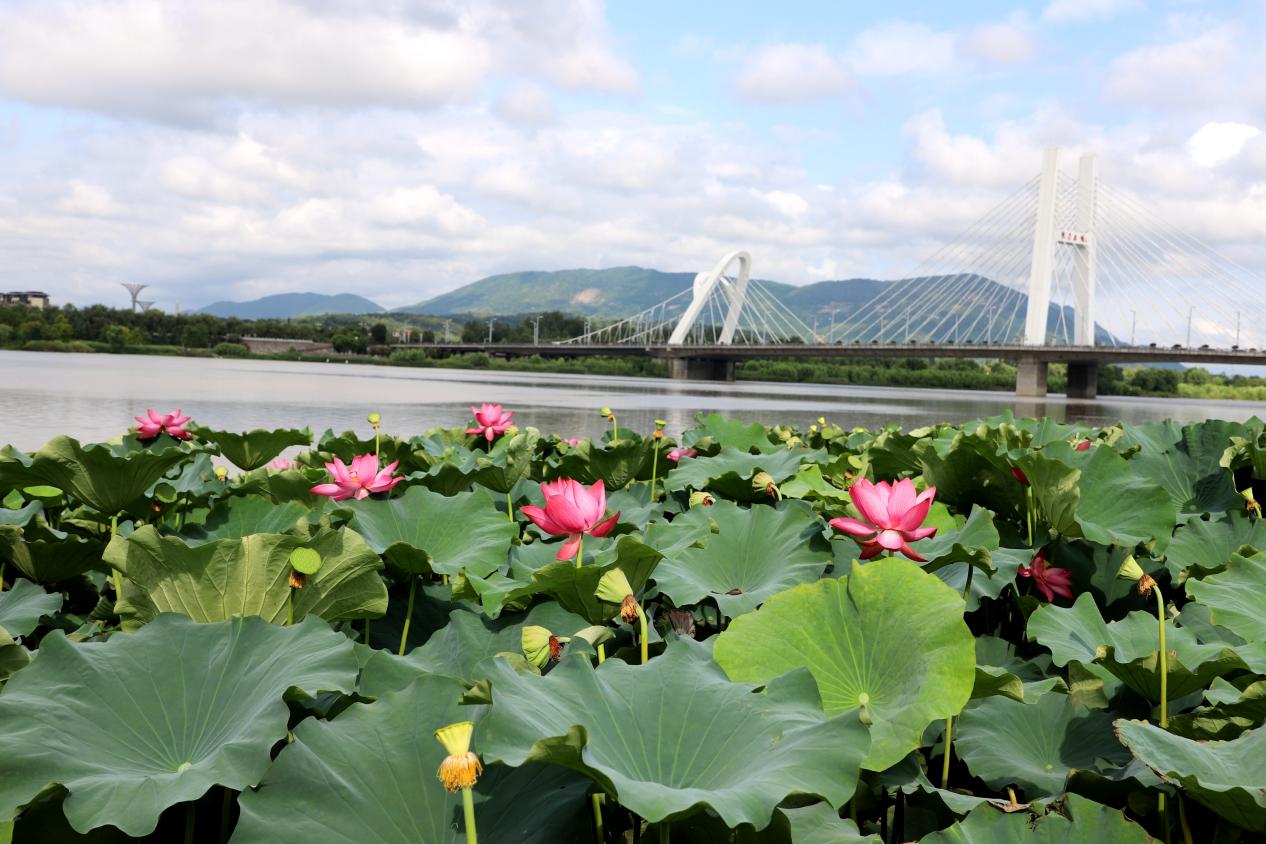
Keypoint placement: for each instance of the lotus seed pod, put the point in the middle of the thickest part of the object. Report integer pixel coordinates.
(374, 419)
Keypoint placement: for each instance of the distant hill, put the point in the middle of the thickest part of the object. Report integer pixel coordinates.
(290, 305)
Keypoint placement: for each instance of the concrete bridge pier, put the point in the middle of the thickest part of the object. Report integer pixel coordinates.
(1083, 380)
(1030, 376)
(701, 369)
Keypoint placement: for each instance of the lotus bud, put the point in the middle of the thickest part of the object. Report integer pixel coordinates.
(764, 482)
(813, 429)
(1131, 570)
(701, 499)
(221, 473)
(1251, 504)
(375, 419)
(461, 768)
(540, 646)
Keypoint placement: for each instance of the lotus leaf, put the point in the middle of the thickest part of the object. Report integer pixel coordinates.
(674, 736)
(422, 531)
(22, 606)
(1234, 597)
(753, 554)
(888, 637)
(369, 775)
(730, 472)
(46, 555)
(238, 518)
(253, 449)
(138, 723)
(1081, 822)
(227, 578)
(1208, 545)
(1185, 462)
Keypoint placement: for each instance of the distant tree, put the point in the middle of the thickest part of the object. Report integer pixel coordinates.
(428, 336)
(378, 331)
(195, 335)
(32, 329)
(116, 336)
(349, 341)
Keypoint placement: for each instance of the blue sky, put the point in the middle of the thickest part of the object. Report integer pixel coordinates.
(232, 149)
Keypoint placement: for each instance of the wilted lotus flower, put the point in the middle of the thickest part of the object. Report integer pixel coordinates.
(571, 510)
(490, 421)
(171, 424)
(893, 514)
(1131, 570)
(540, 646)
(1251, 504)
(701, 499)
(1049, 580)
(461, 768)
(676, 455)
(764, 482)
(358, 480)
(281, 464)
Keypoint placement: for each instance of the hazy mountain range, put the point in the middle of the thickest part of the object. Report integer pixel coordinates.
(290, 305)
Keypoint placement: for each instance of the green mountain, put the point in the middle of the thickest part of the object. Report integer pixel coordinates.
(289, 305)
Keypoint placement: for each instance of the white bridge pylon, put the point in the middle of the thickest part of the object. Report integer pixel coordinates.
(721, 309)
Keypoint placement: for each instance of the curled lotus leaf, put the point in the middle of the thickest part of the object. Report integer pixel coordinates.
(730, 472)
(22, 606)
(253, 449)
(1234, 596)
(888, 637)
(93, 718)
(674, 736)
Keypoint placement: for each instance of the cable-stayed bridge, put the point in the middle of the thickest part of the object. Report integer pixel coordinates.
(1067, 269)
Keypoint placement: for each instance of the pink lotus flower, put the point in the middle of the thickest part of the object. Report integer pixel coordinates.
(1082, 445)
(358, 480)
(893, 513)
(1019, 475)
(490, 420)
(1049, 580)
(281, 464)
(573, 441)
(170, 424)
(678, 453)
(571, 510)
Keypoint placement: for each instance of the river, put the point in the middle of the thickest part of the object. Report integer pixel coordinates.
(94, 397)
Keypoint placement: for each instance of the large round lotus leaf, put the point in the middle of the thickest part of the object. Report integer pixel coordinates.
(1082, 822)
(240, 517)
(616, 466)
(141, 722)
(817, 823)
(422, 531)
(1234, 596)
(732, 433)
(571, 586)
(1129, 648)
(22, 606)
(1202, 544)
(253, 449)
(888, 636)
(730, 472)
(106, 478)
(370, 775)
(46, 555)
(250, 576)
(1185, 461)
(1035, 744)
(19, 517)
(674, 736)
(1227, 776)
(753, 554)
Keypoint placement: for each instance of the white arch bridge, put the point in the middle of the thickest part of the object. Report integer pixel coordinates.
(1066, 269)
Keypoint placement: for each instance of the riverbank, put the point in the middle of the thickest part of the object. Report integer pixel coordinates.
(916, 373)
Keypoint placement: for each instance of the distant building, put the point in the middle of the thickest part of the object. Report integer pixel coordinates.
(34, 298)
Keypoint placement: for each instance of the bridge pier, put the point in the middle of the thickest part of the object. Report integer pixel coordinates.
(1083, 380)
(1030, 376)
(701, 369)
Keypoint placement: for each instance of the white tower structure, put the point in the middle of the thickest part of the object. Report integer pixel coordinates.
(705, 284)
(1048, 236)
(135, 290)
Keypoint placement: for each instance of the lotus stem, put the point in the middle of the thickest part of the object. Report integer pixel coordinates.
(602, 653)
(226, 811)
(949, 733)
(290, 606)
(189, 822)
(967, 586)
(408, 613)
(2, 567)
(596, 800)
(665, 832)
(654, 466)
(468, 809)
(115, 574)
(641, 629)
(509, 506)
(366, 630)
(615, 431)
(1182, 820)
(377, 442)
(1163, 665)
(580, 552)
(1030, 516)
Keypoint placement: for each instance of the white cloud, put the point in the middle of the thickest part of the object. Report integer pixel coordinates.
(1181, 74)
(786, 73)
(88, 200)
(1215, 143)
(900, 47)
(526, 105)
(1080, 11)
(1003, 43)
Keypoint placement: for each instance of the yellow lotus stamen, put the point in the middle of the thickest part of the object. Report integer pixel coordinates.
(629, 609)
(461, 768)
(297, 579)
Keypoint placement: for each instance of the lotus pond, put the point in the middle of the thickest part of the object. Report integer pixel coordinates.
(1007, 630)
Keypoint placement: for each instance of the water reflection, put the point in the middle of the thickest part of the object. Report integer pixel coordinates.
(93, 397)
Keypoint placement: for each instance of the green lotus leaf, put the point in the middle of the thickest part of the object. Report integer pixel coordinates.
(888, 636)
(1034, 744)
(616, 466)
(464, 648)
(253, 449)
(754, 554)
(239, 517)
(674, 736)
(348, 445)
(971, 542)
(45, 555)
(1128, 648)
(292, 485)
(1189, 469)
(195, 482)
(370, 775)
(227, 578)
(22, 606)
(809, 483)
(1005, 562)
(422, 531)
(20, 517)
(730, 472)
(1208, 545)
(106, 478)
(732, 433)
(1234, 597)
(816, 823)
(1082, 821)
(571, 586)
(1227, 776)
(141, 722)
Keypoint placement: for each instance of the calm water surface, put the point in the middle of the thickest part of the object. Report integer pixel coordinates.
(93, 397)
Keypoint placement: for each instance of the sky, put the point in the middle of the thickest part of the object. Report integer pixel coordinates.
(229, 150)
